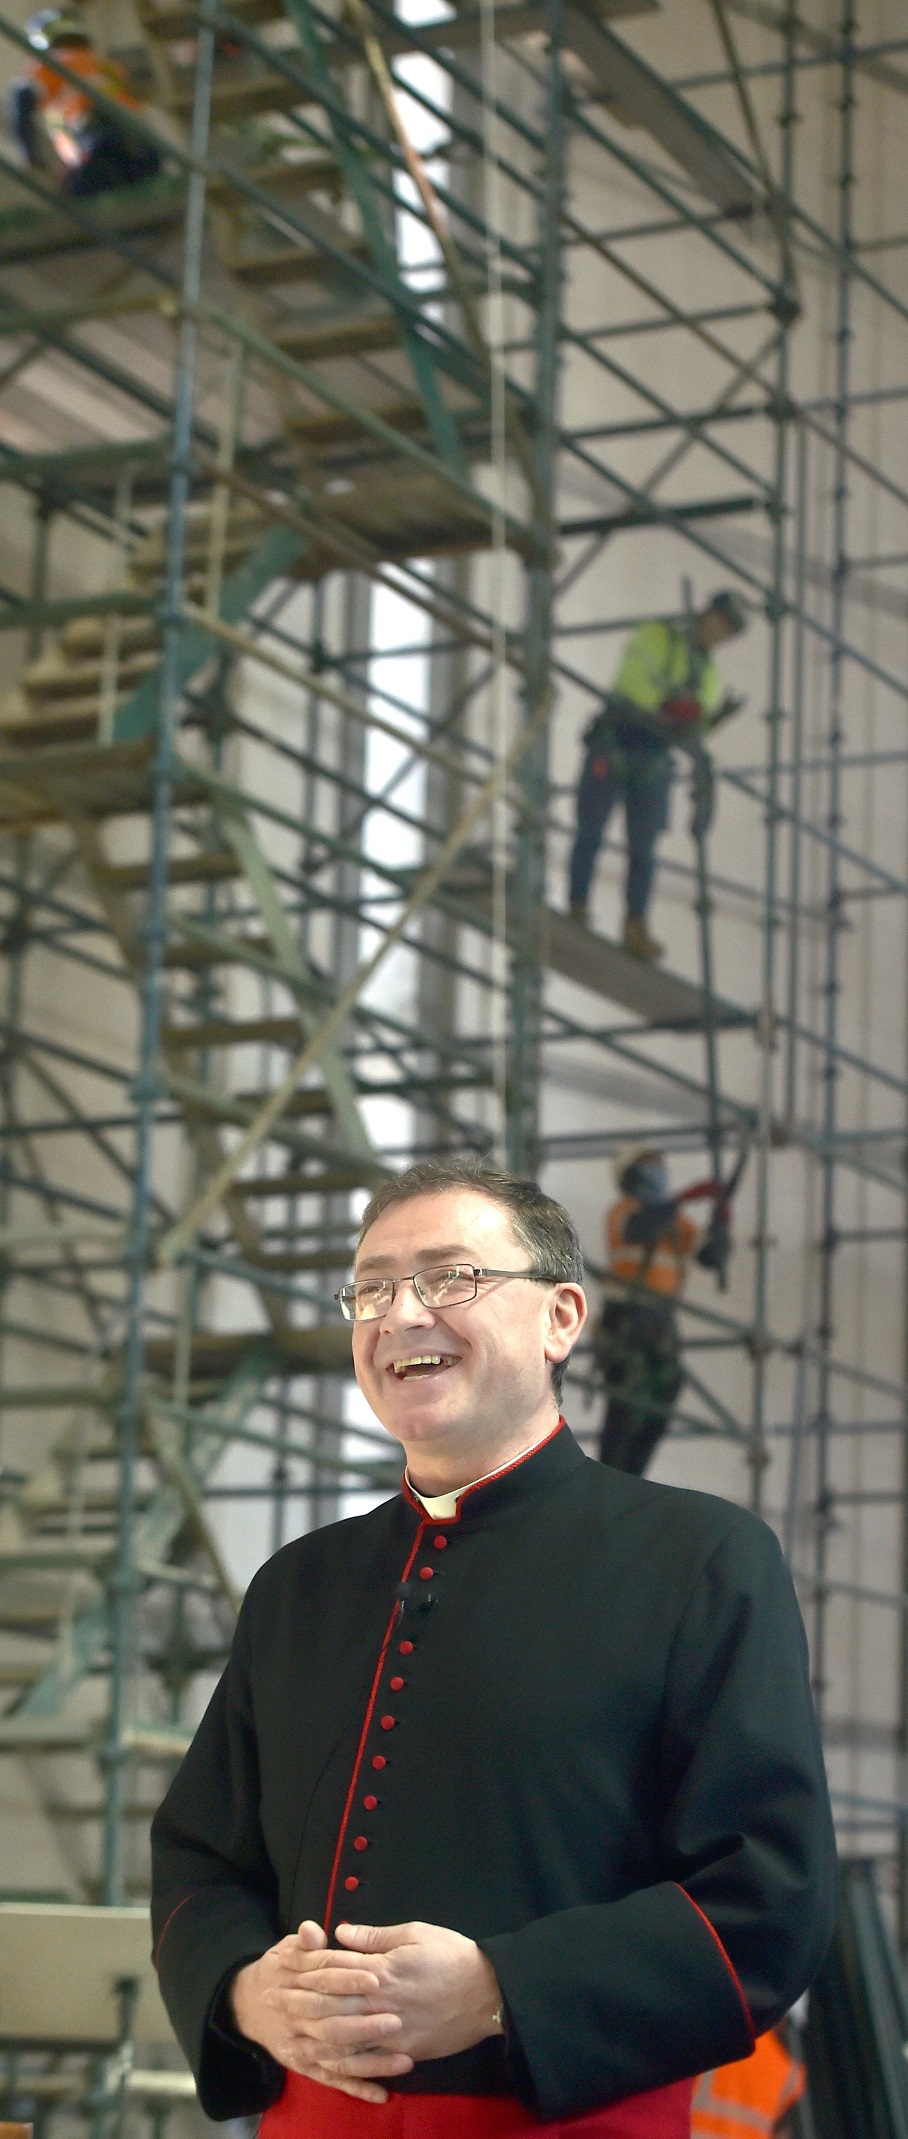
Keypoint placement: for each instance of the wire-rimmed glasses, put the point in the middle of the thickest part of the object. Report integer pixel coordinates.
(443, 1285)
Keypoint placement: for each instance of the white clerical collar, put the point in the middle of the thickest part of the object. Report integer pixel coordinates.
(441, 1506)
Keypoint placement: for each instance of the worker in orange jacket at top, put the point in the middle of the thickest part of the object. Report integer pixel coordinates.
(92, 149)
(750, 2099)
(649, 1244)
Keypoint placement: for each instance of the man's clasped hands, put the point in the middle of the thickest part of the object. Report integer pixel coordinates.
(368, 2009)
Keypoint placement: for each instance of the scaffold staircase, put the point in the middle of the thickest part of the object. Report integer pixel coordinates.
(345, 424)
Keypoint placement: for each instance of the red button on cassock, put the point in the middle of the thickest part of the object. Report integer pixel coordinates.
(406, 1648)
(360, 1842)
(371, 1804)
(351, 1885)
(426, 1573)
(379, 1761)
(396, 1684)
(388, 1722)
(440, 1544)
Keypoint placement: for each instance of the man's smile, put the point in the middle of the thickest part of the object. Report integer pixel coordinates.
(420, 1364)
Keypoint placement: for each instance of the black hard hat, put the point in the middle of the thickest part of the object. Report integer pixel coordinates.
(730, 606)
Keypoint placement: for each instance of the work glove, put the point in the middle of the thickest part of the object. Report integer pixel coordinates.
(730, 705)
(700, 1190)
(715, 1247)
(683, 712)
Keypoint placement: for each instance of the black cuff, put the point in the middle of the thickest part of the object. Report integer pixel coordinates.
(220, 2015)
(234, 2060)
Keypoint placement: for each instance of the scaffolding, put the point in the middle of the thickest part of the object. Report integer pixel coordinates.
(332, 452)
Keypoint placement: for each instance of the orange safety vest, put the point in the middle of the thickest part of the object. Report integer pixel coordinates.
(68, 112)
(748, 2100)
(660, 1266)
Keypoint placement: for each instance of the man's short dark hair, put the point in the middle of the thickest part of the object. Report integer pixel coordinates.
(543, 1227)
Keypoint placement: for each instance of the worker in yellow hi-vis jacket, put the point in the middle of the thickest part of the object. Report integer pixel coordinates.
(667, 690)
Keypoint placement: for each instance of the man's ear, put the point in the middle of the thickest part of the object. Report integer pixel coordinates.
(567, 1313)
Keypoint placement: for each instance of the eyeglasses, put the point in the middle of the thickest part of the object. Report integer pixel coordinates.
(368, 1298)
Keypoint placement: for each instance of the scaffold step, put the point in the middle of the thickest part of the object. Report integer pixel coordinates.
(298, 172)
(193, 957)
(113, 780)
(50, 1734)
(202, 945)
(60, 676)
(38, 233)
(147, 565)
(254, 94)
(169, 24)
(157, 2086)
(44, 1556)
(302, 1104)
(38, 1618)
(404, 514)
(244, 1032)
(76, 722)
(86, 635)
(348, 334)
(47, 1507)
(287, 264)
(297, 1262)
(216, 1354)
(322, 433)
(14, 1676)
(244, 514)
(43, 1735)
(153, 2085)
(49, 1396)
(328, 1181)
(183, 869)
(201, 1101)
(74, 1812)
(157, 1741)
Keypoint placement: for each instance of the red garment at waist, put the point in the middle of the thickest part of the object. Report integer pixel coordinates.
(308, 2111)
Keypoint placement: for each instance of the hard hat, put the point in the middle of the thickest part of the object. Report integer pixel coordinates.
(633, 1155)
(55, 26)
(730, 606)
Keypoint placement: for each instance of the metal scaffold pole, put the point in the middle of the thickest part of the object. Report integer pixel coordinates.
(527, 975)
(902, 1717)
(786, 307)
(147, 1089)
(834, 908)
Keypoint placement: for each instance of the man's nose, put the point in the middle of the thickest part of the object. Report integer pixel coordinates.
(406, 1308)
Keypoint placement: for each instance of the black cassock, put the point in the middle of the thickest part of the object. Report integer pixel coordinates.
(572, 1722)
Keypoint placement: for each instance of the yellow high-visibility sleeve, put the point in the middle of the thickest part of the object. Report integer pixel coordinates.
(658, 663)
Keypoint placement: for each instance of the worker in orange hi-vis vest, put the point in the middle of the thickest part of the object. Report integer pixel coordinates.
(649, 1245)
(751, 2099)
(55, 121)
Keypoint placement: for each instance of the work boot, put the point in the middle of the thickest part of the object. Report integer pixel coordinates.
(580, 912)
(639, 942)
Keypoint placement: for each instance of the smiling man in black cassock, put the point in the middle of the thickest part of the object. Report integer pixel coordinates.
(508, 1814)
